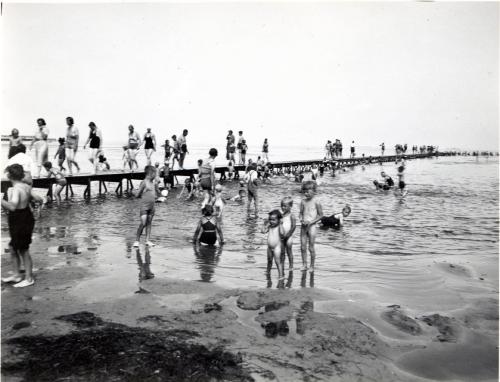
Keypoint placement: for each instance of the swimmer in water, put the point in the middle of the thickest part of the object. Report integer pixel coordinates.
(289, 224)
(148, 190)
(240, 197)
(386, 184)
(275, 233)
(60, 180)
(310, 213)
(218, 204)
(208, 228)
(336, 220)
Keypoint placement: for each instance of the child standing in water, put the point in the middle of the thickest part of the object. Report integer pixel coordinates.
(14, 140)
(289, 224)
(310, 213)
(148, 190)
(251, 179)
(21, 224)
(275, 233)
(208, 227)
(401, 181)
(61, 154)
(60, 179)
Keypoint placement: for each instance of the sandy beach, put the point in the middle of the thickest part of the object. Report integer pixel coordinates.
(171, 329)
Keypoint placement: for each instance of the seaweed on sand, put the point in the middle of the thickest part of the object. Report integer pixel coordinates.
(115, 352)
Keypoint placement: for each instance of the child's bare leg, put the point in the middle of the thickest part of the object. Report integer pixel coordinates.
(269, 259)
(289, 252)
(143, 223)
(303, 246)
(58, 193)
(279, 264)
(28, 264)
(149, 222)
(16, 261)
(311, 233)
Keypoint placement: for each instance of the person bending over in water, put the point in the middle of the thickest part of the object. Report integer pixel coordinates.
(386, 184)
(310, 213)
(240, 197)
(148, 190)
(289, 223)
(336, 220)
(60, 179)
(208, 227)
(21, 223)
(275, 234)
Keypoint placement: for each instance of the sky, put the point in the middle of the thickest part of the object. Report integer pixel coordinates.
(295, 73)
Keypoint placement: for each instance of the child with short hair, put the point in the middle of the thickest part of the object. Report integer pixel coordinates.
(21, 223)
(125, 157)
(251, 179)
(208, 229)
(61, 153)
(148, 190)
(310, 213)
(239, 197)
(289, 224)
(336, 220)
(60, 180)
(275, 233)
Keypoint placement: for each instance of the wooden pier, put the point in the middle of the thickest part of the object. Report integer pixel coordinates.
(123, 179)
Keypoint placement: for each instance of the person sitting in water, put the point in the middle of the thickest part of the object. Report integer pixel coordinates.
(208, 228)
(240, 197)
(336, 220)
(60, 179)
(386, 184)
(189, 187)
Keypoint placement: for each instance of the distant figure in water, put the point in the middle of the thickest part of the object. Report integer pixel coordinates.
(251, 179)
(310, 213)
(401, 182)
(289, 224)
(61, 154)
(21, 224)
(336, 220)
(14, 141)
(386, 184)
(208, 228)
(275, 234)
(148, 190)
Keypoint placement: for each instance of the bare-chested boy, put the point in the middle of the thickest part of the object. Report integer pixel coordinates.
(310, 213)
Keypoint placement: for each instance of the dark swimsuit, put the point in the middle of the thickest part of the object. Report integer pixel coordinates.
(208, 236)
(330, 221)
(95, 141)
(21, 223)
(148, 142)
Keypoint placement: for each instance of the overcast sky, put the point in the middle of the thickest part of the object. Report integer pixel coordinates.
(420, 72)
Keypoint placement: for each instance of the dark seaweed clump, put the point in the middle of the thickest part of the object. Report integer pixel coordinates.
(115, 352)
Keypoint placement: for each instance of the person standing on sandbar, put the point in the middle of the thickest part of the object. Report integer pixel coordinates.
(72, 137)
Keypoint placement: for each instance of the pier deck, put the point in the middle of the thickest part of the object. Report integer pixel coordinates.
(118, 176)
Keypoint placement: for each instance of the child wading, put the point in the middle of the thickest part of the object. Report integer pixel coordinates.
(208, 227)
(21, 223)
(310, 213)
(275, 234)
(289, 223)
(148, 190)
(60, 179)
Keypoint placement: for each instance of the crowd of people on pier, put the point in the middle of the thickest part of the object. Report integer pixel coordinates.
(280, 225)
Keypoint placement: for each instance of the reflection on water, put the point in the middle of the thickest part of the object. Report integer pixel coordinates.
(207, 258)
(144, 266)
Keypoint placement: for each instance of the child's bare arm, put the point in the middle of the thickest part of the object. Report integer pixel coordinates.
(293, 220)
(197, 232)
(141, 189)
(319, 212)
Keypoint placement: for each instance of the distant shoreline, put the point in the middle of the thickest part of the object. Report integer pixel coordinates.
(6, 138)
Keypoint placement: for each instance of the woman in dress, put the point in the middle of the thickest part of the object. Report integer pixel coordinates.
(41, 145)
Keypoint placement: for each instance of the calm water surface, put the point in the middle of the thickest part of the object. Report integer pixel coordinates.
(451, 210)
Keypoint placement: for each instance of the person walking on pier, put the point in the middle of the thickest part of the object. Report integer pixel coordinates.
(168, 151)
(149, 144)
(239, 145)
(181, 142)
(72, 137)
(230, 144)
(265, 151)
(353, 150)
(41, 145)
(134, 142)
(207, 175)
(95, 143)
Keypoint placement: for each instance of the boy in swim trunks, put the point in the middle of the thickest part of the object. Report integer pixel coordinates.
(148, 190)
(289, 223)
(275, 233)
(21, 224)
(60, 180)
(336, 220)
(310, 213)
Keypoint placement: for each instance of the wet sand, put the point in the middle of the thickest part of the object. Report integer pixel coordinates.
(205, 331)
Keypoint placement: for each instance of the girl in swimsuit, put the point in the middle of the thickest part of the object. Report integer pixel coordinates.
(148, 190)
(265, 151)
(41, 145)
(60, 179)
(21, 223)
(149, 144)
(209, 228)
(274, 229)
(95, 143)
(289, 223)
